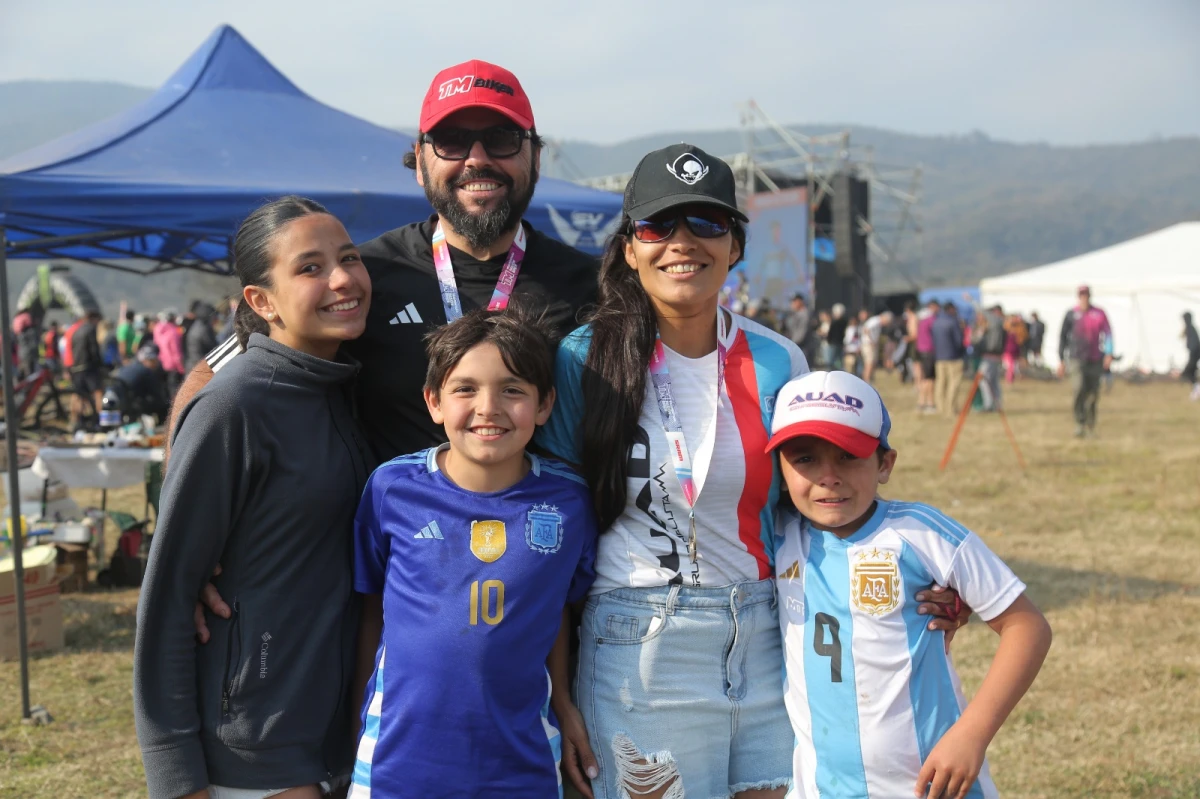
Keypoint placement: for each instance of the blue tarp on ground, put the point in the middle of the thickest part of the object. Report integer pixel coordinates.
(171, 178)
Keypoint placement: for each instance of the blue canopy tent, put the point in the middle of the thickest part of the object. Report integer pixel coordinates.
(168, 181)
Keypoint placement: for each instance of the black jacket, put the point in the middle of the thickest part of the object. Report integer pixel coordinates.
(144, 389)
(406, 304)
(197, 341)
(947, 338)
(86, 349)
(837, 331)
(265, 475)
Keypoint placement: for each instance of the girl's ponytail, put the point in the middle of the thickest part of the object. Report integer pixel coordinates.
(246, 321)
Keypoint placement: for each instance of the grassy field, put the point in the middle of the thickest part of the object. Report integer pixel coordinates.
(1105, 531)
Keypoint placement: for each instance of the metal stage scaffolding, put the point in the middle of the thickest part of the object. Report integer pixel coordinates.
(776, 157)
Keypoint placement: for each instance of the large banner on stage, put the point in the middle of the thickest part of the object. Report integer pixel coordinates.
(776, 264)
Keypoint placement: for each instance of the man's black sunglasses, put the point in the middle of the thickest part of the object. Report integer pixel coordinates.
(455, 144)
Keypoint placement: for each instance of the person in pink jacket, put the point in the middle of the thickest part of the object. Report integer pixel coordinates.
(170, 349)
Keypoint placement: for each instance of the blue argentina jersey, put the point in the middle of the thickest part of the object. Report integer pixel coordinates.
(473, 591)
(869, 688)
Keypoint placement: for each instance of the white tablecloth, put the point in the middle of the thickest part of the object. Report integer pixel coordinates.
(95, 467)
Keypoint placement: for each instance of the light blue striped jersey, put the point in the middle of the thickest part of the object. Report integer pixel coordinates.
(869, 688)
(473, 590)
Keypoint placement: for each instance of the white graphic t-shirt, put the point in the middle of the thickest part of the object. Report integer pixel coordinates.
(737, 480)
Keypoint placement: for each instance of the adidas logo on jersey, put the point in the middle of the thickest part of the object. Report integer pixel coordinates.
(430, 530)
(793, 571)
(408, 316)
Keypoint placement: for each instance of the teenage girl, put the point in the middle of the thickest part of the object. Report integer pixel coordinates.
(266, 472)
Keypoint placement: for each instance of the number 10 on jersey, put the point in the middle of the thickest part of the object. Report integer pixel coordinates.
(487, 600)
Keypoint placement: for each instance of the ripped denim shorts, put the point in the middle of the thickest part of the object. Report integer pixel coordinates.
(690, 682)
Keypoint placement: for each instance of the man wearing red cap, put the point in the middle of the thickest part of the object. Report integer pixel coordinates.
(477, 157)
(1085, 342)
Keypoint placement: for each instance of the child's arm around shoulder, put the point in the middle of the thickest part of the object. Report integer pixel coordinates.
(952, 766)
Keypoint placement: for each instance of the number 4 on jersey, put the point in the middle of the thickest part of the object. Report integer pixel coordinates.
(831, 649)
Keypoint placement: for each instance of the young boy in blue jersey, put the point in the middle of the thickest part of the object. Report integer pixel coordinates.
(873, 697)
(468, 555)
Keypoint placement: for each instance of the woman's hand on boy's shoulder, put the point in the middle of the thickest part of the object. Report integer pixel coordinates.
(946, 607)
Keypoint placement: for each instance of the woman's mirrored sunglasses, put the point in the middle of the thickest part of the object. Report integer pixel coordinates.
(455, 144)
(712, 225)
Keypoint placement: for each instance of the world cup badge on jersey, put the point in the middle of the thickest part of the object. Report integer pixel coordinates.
(488, 540)
(544, 529)
(875, 582)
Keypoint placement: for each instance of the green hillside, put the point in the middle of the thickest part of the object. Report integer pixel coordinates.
(987, 207)
(990, 207)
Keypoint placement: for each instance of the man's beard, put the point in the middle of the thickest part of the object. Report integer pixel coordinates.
(479, 229)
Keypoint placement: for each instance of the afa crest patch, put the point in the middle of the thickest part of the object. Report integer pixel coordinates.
(544, 529)
(875, 582)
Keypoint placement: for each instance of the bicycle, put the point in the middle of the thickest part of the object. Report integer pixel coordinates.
(40, 393)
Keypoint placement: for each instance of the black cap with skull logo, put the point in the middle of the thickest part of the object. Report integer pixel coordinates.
(681, 174)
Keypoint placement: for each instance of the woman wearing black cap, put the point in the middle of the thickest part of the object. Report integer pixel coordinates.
(680, 661)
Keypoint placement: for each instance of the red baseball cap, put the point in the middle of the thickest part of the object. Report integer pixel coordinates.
(475, 84)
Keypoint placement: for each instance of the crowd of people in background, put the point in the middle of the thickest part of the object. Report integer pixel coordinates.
(141, 357)
(926, 346)
(935, 347)
(940, 345)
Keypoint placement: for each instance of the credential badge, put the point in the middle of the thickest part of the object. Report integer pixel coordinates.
(875, 582)
(544, 529)
(488, 540)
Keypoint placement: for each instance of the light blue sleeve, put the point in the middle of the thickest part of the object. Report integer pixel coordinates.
(561, 435)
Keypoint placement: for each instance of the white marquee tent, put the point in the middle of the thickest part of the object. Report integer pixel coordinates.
(1144, 285)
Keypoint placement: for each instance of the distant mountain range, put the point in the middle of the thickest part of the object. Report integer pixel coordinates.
(987, 207)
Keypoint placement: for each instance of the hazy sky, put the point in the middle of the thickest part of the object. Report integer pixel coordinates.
(1061, 71)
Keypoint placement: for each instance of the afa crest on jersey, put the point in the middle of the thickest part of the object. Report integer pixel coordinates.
(488, 540)
(875, 582)
(544, 529)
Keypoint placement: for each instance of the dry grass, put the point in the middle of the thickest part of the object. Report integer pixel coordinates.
(1105, 531)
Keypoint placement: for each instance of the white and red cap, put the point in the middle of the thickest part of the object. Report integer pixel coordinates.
(836, 406)
(475, 84)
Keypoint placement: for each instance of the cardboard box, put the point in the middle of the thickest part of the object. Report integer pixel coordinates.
(43, 606)
(72, 566)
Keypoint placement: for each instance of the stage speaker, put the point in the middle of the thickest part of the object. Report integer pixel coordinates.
(851, 201)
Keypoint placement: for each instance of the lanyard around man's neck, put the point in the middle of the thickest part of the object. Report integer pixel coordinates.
(449, 287)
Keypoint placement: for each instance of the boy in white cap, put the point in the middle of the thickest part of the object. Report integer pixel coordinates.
(871, 692)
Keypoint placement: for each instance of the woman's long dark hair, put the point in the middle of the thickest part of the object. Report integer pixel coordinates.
(252, 255)
(623, 329)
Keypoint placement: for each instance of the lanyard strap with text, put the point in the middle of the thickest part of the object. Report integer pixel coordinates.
(449, 287)
(681, 458)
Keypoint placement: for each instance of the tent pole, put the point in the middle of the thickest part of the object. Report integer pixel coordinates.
(12, 426)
